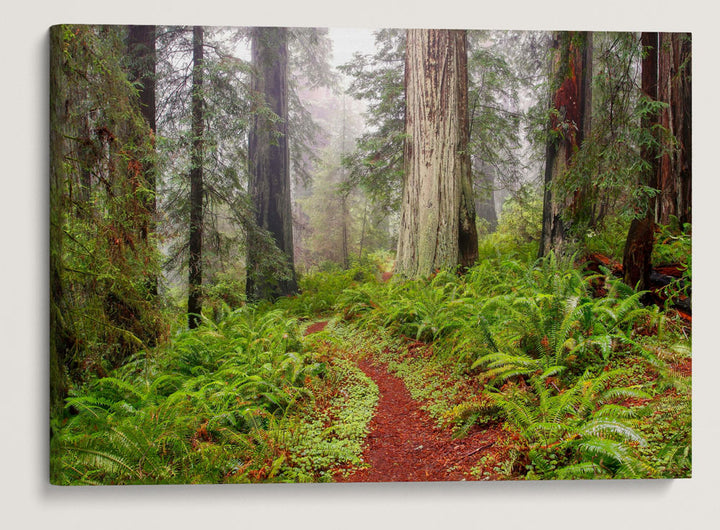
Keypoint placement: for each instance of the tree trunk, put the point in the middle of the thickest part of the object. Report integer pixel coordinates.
(437, 228)
(571, 75)
(269, 162)
(141, 47)
(345, 221)
(196, 184)
(674, 88)
(637, 264)
(58, 379)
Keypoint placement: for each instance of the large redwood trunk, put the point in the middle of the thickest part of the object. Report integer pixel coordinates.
(639, 243)
(571, 104)
(269, 160)
(437, 227)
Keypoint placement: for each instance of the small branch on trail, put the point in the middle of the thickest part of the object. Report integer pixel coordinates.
(484, 446)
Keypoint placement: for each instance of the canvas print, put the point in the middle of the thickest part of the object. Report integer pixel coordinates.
(368, 255)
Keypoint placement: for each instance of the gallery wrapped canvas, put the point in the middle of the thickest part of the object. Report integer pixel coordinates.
(293, 254)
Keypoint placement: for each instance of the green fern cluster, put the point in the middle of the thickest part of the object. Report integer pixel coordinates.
(186, 414)
(546, 349)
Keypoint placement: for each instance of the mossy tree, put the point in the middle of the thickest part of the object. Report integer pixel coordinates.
(570, 111)
(101, 254)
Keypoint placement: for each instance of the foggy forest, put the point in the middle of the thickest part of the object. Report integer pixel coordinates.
(293, 254)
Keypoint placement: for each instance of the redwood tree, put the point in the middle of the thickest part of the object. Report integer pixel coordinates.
(269, 164)
(665, 78)
(196, 184)
(437, 227)
(674, 89)
(571, 76)
(639, 242)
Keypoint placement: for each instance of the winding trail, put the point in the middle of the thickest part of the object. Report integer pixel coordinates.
(404, 443)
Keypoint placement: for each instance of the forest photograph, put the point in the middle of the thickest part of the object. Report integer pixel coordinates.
(321, 255)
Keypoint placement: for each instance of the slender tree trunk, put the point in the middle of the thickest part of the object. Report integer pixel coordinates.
(571, 76)
(141, 47)
(437, 228)
(485, 198)
(269, 162)
(639, 243)
(196, 184)
(674, 88)
(362, 230)
(345, 215)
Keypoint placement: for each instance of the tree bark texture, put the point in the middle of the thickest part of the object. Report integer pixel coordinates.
(437, 228)
(571, 76)
(637, 254)
(141, 47)
(196, 184)
(58, 347)
(269, 161)
(674, 88)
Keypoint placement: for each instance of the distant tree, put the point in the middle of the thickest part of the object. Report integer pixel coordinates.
(495, 117)
(269, 162)
(376, 164)
(196, 184)
(437, 227)
(571, 74)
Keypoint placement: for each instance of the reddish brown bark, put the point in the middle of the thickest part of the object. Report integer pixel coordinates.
(640, 239)
(141, 47)
(674, 88)
(570, 122)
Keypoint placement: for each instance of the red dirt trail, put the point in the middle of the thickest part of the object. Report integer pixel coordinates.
(404, 444)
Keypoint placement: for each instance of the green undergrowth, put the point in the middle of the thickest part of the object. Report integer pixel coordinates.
(580, 381)
(329, 436)
(330, 439)
(585, 382)
(234, 401)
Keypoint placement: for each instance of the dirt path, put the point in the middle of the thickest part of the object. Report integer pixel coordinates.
(404, 443)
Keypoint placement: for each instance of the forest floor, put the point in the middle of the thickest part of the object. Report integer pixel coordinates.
(405, 444)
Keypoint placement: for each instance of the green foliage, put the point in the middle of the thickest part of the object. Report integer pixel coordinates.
(213, 395)
(327, 439)
(577, 432)
(102, 206)
(518, 229)
(673, 244)
(320, 291)
(546, 351)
